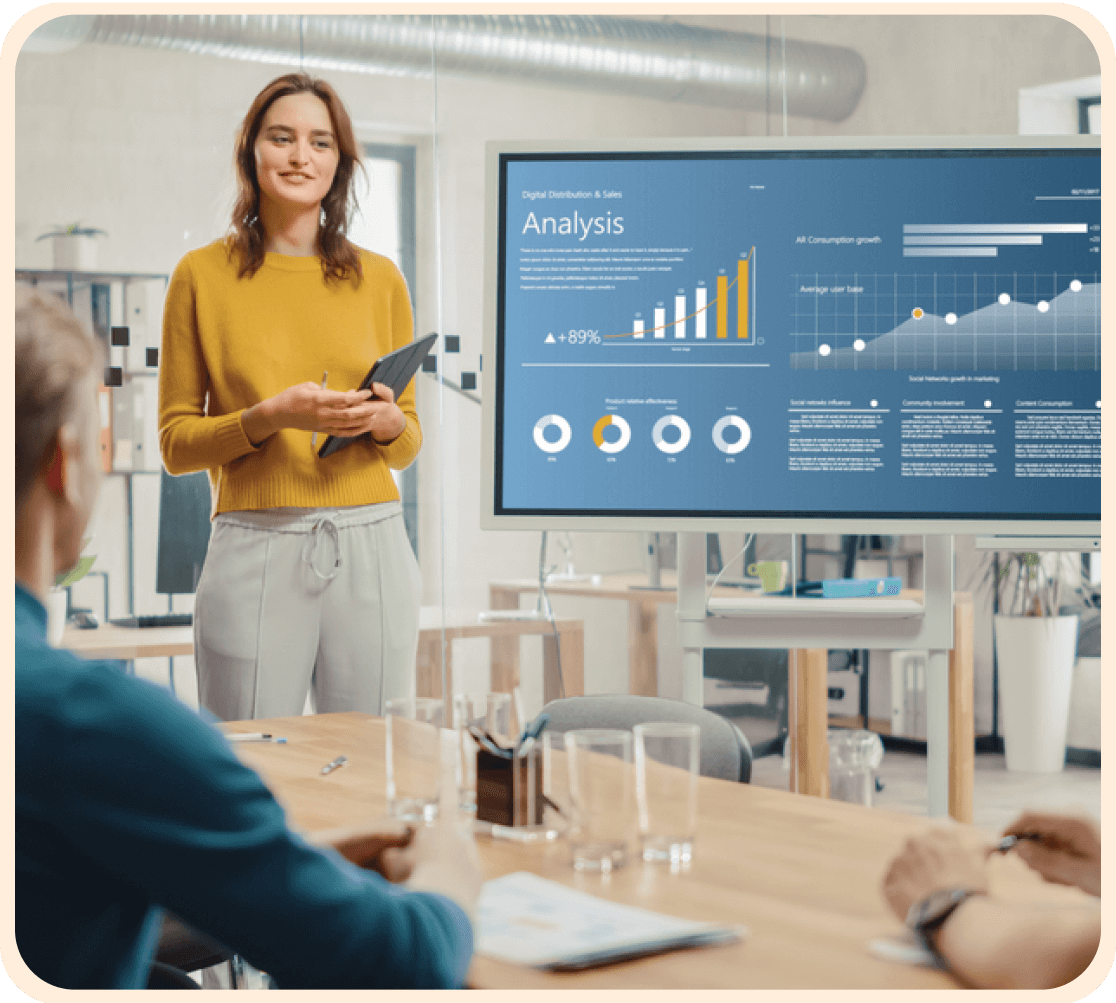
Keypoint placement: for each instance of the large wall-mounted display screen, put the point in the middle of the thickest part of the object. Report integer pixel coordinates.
(841, 333)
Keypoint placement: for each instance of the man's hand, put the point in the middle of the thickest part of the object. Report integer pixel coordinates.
(370, 847)
(933, 861)
(445, 860)
(1067, 852)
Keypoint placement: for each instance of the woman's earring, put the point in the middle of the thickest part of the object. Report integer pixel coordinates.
(322, 221)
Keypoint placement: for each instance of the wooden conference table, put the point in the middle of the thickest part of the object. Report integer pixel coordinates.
(808, 684)
(803, 874)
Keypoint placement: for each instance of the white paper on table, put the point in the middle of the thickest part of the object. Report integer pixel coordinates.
(529, 920)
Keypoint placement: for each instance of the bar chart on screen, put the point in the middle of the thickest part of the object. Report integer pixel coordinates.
(728, 318)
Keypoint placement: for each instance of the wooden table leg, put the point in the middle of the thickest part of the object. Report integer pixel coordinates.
(809, 721)
(504, 671)
(428, 668)
(643, 648)
(569, 655)
(961, 725)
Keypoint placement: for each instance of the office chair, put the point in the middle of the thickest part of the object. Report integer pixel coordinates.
(725, 752)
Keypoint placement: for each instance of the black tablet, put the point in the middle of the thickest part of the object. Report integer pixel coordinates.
(394, 370)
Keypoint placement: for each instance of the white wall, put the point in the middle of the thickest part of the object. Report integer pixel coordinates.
(139, 142)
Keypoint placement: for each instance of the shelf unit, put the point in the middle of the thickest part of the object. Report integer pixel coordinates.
(99, 316)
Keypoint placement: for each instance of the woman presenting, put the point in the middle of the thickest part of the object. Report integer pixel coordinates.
(309, 581)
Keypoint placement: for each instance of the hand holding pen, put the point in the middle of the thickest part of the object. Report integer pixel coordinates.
(1064, 849)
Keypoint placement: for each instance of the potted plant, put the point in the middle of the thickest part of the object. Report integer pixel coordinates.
(58, 598)
(74, 247)
(1035, 649)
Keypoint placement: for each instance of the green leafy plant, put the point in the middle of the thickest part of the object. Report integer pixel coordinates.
(78, 571)
(73, 230)
(1035, 591)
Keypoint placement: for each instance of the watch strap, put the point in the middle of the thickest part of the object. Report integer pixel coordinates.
(924, 929)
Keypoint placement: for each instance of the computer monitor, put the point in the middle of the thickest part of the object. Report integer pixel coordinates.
(795, 335)
(184, 507)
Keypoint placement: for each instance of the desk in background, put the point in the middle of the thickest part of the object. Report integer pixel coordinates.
(807, 689)
(803, 874)
(563, 648)
(563, 651)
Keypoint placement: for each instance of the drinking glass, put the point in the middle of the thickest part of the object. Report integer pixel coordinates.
(600, 785)
(492, 713)
(413, 756)
(667, 757)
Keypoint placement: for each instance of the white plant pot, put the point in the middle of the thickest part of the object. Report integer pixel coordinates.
(55, 602)
(1035, 656)
(75, 253)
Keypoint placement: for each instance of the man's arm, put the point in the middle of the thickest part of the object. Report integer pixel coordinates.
(987, 942)
(157, 801)
(992, 944)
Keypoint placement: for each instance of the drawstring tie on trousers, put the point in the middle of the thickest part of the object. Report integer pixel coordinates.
(310, 547)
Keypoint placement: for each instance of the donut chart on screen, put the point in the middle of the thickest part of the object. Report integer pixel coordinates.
(625, 434)
(563, 426)
(661, 426)
(738, 423)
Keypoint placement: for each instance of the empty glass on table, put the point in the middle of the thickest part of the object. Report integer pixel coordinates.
(601, 786)
(667, 757)
(413, 754)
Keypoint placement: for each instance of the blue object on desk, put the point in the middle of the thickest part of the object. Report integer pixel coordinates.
(860, 588)
(844, 588)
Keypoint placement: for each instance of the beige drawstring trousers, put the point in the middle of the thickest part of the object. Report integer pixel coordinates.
(294, 600)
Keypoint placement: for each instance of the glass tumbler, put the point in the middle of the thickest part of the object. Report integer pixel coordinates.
(601, 797)
(667, 759)
(413, 756)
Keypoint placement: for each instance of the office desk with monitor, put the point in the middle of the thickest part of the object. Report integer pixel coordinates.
(802, 874)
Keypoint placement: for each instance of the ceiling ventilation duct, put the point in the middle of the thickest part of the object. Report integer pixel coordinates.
(650, 59)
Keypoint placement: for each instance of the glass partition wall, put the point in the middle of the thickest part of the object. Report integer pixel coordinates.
(426, 92)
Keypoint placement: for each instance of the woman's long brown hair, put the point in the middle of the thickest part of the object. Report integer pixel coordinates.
(340, 259)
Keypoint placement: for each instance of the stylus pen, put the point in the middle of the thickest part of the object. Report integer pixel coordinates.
(314, 437)
(254, 736)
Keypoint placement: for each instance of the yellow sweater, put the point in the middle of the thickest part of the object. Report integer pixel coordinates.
(230, 343)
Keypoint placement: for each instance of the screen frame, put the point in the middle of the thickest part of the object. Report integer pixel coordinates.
(490, 519)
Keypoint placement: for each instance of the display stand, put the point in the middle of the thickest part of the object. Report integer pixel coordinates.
(793, 623)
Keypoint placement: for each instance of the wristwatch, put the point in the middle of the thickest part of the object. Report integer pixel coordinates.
(927, 916)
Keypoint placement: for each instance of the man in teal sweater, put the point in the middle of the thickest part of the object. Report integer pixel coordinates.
(128, 803)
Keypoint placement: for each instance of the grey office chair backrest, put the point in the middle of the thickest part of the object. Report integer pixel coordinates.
(725, 752)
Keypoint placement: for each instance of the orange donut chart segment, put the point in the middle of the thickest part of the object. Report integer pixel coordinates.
(625, 433)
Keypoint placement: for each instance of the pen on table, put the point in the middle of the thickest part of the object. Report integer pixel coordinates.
(253, 736)
(337, 763)
(314, 437)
